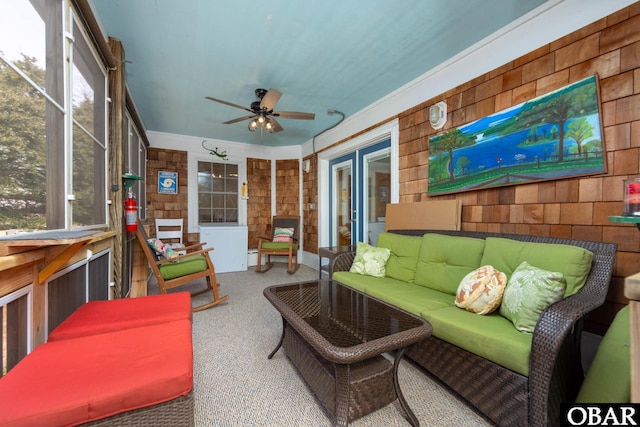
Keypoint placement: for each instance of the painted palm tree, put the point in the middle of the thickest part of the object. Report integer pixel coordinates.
(450, 141)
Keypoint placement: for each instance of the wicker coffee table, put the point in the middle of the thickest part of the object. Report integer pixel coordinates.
(335, 337)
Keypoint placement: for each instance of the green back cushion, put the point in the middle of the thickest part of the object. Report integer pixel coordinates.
(445, 260)
(573, 262)
(404, 255)
(608, 379)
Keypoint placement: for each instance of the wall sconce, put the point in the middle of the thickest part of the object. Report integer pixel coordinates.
(438, 115)
(306, 166)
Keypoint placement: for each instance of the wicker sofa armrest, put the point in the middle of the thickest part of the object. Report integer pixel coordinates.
(341, 262)
(561, 325)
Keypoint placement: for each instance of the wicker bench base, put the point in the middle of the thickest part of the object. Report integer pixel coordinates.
(175, 412)
(500, 394)
(370, 382)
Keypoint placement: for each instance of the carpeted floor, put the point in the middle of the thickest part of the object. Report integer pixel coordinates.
(236, 385)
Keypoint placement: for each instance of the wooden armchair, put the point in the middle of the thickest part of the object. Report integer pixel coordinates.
(283, 242)
(182, 269)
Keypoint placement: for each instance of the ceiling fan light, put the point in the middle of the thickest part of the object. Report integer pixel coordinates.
(253, 125)
(261, 119)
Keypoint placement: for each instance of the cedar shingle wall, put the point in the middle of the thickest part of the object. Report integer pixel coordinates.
(310, 195)
(259, 202)
(287, 187)
(576, 208)
(168, 205)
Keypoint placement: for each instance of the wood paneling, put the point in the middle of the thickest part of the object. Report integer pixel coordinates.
(259, 203)
(168, 205)
(573, 208)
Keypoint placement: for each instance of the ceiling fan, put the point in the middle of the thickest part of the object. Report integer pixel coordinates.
(262, 114)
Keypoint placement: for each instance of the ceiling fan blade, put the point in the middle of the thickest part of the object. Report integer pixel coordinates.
(231, 104)
(276, 125)
(294, 115)
(270, 99)
(239, 119)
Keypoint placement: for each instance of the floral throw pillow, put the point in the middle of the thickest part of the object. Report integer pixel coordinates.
(370, 260)
(162, 249)
(282, 234)
(529, 292)
(481, 290)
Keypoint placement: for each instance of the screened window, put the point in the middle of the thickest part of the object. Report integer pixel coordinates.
(52, 176)
(217, 193)
(136, 164)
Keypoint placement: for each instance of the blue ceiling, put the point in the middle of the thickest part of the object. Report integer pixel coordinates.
(331, 54)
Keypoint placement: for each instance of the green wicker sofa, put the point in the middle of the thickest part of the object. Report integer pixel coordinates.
(514, 378)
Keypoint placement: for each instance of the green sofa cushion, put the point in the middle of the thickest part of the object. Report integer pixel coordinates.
(355, 280)
(608, 379)
(404, 255)
(409, 297)
(490, 336)
(445, 260)
(573, 262)
(187, 265)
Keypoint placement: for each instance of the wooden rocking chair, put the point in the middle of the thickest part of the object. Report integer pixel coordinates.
(182, 269)
(283, 242)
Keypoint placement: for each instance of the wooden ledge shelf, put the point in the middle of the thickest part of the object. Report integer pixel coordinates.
(67, 244)
(626, 219)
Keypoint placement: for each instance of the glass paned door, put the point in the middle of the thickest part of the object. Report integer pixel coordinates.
(342, 201)
(374, 186)
(360, 184)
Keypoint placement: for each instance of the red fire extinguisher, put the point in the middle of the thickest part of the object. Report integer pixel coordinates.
(131, 212)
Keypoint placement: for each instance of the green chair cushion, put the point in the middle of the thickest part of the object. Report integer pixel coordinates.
(278, 246)
(490, 336)
(608, 379)
(445, 260)
(404, 255)
(185, 266)
(573, 262)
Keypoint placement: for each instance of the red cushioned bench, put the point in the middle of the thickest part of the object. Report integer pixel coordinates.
(131, 373)
(97, 317)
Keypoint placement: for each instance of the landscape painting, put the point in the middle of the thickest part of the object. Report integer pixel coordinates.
(554, 136)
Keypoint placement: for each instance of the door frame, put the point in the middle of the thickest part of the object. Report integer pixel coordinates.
(389, 130)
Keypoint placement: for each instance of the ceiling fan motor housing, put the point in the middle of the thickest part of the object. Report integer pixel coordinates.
(260, 93)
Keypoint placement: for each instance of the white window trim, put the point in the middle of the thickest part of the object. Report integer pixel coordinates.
(192, 189)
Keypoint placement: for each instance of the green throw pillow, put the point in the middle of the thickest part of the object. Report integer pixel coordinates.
(370, 260)
(530, 290)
